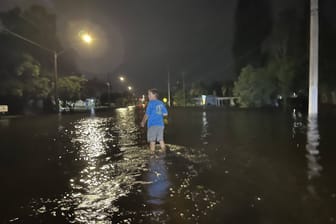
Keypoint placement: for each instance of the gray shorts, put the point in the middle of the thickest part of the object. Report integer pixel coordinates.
(155, 133)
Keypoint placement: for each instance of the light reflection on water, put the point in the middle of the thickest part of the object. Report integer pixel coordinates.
(100, 171)
(114, 163)
(313, 137)
(312, 153)
(313, 167)
(204, 132)
(102, 181)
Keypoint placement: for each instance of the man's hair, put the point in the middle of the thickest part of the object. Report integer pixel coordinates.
(155, 92)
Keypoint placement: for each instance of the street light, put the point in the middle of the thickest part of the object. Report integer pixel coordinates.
(129, 88)
(121, 78)
(85, 37)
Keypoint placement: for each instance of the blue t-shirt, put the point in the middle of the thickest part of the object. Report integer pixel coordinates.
(155, 111)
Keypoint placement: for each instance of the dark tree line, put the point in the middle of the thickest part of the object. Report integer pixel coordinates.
(272, 55)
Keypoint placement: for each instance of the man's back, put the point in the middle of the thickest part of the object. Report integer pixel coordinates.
(155, 112)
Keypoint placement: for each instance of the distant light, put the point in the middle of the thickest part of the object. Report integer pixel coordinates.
(165, 100)
(122, 78)
(87, 38)
(203, 99)
(130, 88)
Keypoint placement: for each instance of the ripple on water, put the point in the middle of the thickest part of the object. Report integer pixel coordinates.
(113, 165)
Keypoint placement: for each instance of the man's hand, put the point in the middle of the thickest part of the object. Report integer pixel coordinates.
(142, 124)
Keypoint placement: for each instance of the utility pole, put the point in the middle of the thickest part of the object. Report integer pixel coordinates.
(55, 80)
(183, 87)
(169, 88)
(313, 59)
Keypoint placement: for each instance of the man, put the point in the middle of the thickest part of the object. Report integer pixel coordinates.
(155, 112)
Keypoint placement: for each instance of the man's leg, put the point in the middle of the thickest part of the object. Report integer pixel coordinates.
(152, 146)
(162, 145)
(160, 138)
(151, 138)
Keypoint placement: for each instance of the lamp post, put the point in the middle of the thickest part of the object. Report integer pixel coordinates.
(108, 92)
(85, 38)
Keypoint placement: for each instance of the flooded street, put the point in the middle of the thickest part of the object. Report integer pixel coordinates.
(221, 166)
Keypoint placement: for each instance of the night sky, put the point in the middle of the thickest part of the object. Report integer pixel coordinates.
(143, 39)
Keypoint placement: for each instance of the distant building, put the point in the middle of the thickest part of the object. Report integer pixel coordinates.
(211, 100)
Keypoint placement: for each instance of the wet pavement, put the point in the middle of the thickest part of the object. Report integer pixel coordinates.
(221, 166)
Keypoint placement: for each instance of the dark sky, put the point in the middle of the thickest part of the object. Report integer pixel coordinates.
(142, 39)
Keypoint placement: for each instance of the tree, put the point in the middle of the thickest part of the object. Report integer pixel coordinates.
(25, 70)
(70, 87)
(284, 70)
(255, 87)
(227, 88)
(25, 79)
(287, 54)
(198, 89)
(178, 98)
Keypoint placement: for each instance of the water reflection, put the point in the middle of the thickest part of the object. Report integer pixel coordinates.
(298, 124)
(4, 122)
(204, 132)
(127, 127)
(313, 137)
(104, 180)
(94, 189)
(157, 176)
(310, 135)
(108, 160)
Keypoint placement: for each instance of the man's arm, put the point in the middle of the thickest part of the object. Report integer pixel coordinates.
(144, 119)
(165, 111)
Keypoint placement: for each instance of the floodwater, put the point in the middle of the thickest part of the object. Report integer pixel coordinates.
(221, 166)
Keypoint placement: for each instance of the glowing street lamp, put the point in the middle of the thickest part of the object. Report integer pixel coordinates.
(130, 88)
(121, 78)
(87, 38)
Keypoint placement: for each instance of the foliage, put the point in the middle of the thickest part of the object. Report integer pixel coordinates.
(181, 99)
(197, 89)
(227, 88)
(178, 98)
(24, 68)
(284, 70)
(285, 64)
(255, 87)
(70, 87)
(26, 81)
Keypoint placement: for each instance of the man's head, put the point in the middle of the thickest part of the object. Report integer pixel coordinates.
(153, 94)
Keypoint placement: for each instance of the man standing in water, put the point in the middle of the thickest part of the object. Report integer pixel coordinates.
(155, 112)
